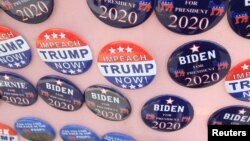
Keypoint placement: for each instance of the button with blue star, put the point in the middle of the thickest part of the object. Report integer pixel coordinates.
(115, 136)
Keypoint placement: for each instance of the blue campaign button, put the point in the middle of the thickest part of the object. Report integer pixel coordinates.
(28, 11)
(167, 113)
(34, 129)
(114, 136)
(238, 17)
(231, 115)
(60, 93)
(122, 14)
(107, 103)
(199, 64)
(190, 17)
(16, 90)
(77, 133)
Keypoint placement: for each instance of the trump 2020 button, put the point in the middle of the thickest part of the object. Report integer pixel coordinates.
(64, 52)
(77, 133)
(15, 52)
(34, 129)
(238, 80)
(167, 113)
(107, 103)
(28, 11)
(7, 133)
(190, 17)
(122, 14)
(114, 136)
(126, 65)
(199, 64)
(16, 90)
(60, 93)
(231, 115)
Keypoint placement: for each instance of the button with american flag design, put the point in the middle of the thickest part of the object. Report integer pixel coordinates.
(7, 133)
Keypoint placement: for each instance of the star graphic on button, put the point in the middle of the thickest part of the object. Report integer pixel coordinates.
(245, 67)
(58, 82)
(103, 91)
(132, 86)
(72, 72)
(17, 64)
(194, 48)
(129, 49)
(242, 112)
(140, 85)
(47, 37)
(124, 86)
(111, 50)
(120, 49)
(170, 101)
(6, 77)
(54, 35)
(62, 35)
(23, 62)
(10, 65)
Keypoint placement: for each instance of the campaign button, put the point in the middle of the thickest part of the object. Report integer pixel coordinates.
(7, 133)
(77, 133)
(114, 136)
(28, 11)
(190, 17)
(60, 93)
(16, 90)
(126, 65)
(15, 52)
(237, 81)
(64, 52)
(238, 17)
(122, 14)
(231, 115)
(167, 113)
(107, 103)
(199, 64)
(34, 129)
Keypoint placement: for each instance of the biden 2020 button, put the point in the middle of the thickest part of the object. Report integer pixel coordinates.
(107, 103)
(167, 113)
(120, 13)
(16, 90)
(114, 136)
(77, 133)
(238, 81)
(34, 129)
(7, 133)
(15, 52)
(238, 17)
(190, 17)
(232, 115)
(28, 11)
(126, 65)
(199, 64)
(60, 93)
(64, 52)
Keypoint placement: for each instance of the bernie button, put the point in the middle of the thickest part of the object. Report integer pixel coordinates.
(28, 11)
(122, 14)
(232, 115)
(64, 52)
(238, 17)
(16, 90)
(60, 93)
(77, 133)
(7, 133)
(34, 129)
(114, 136)
(107, 103)
(237, 81)
(167, 113)
(126, 65)
(15, 52)
(190, 17)
(199, 64)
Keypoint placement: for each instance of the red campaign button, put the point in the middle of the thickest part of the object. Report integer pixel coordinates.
(7, 133)
(126, 65)
(64, 51)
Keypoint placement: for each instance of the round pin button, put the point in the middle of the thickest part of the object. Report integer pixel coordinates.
(199, 64)
(114, 136)
(237, 81)
(7, 133)
(232, 115)
(15, 52)
(77, 133)
(64, 52)
(167, 113)
(16, 90)
(28, 11)
(126, 65)
(190, 17)
(107, 103)
(60, 93)
(34, 129)
(122, 14)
